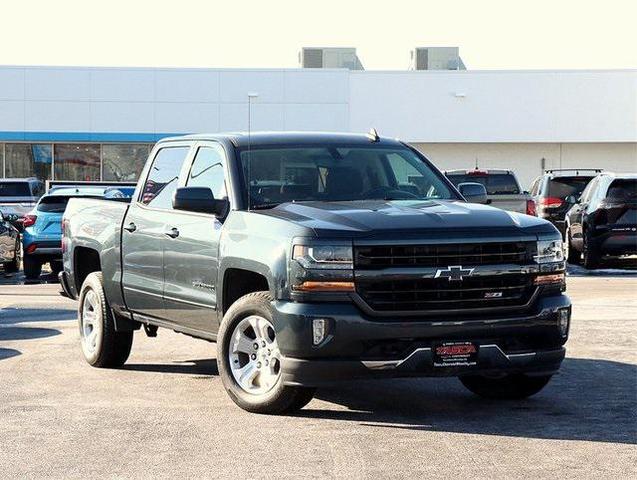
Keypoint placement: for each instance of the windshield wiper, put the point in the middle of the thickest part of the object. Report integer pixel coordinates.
(264, 206)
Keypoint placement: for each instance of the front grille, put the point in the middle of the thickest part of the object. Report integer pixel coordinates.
(441, 255)
(412, 286)
(441, 294)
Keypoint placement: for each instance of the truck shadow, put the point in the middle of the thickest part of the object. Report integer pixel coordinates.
(591, 400)
(9, 316)
(193, 367)
(26, 333)
(8, 353)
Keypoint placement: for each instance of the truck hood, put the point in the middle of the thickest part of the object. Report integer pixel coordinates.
(431, 217)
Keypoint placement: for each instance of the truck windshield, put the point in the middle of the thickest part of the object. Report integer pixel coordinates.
(332, 174)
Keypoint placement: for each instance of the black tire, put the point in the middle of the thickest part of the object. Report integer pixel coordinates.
(32, 267)
(591, 255)
(14, 265)
(573, 256)
(280, 398)
(56, 267)
(510, 387)
(111, 348)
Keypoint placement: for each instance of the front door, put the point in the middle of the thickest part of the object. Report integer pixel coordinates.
(144, 231)
(191, 248)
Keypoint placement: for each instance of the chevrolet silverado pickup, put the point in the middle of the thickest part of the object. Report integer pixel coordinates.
(311, 258)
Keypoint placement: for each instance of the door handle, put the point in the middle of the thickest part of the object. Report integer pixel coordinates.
(131, 227)
(172, 233)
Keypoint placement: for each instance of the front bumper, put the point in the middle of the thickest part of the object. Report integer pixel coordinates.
(357, 347)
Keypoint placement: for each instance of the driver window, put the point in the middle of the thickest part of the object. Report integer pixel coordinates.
(207, 171)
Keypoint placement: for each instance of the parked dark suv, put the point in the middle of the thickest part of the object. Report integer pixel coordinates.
(604, 219)
(553, 190)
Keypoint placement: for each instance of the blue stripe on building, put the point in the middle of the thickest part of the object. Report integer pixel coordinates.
(123, 137)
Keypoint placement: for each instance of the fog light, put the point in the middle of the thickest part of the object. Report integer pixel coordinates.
(319, 330)
(562, 321)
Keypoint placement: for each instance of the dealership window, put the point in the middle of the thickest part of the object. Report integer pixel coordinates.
(27, 160)
(123, 163)
(79, 162)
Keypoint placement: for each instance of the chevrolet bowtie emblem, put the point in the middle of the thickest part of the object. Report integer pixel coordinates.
(453, 273)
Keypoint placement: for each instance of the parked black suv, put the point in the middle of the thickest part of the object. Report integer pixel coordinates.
(554, 191)
(604, 219)
(311, 258)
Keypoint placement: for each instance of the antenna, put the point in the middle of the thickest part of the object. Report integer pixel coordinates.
(373, 135)
(251, 95)
(476, 163)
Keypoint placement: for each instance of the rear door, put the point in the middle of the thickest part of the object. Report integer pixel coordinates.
(144, 230)
(191, 253)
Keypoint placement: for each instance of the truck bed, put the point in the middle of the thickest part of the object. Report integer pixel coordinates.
(95, 223)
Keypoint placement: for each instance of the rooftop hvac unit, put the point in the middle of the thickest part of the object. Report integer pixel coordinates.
(330, 58)
(437, 58)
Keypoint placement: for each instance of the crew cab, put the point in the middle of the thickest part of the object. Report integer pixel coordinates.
(311, 258)
(502, 185)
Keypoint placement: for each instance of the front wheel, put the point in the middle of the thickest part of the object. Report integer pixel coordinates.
(510, 387)
(249, 359)
(102, 346)
(32, 267)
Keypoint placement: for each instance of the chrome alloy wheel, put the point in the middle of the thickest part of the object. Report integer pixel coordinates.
(254, 356)
(91, 322)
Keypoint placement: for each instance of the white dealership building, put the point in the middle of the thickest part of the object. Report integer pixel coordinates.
(98, 123)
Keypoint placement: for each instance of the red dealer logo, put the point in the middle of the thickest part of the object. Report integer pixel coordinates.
(456, 350)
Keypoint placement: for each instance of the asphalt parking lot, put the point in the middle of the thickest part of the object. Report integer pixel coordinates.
(166, 415)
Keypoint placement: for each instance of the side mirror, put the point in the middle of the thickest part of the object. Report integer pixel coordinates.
(572, 199)
(199, 199)
(473, 192)
(1, 217)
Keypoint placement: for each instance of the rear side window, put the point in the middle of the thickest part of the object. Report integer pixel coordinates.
(15, 189)
(163, 177)
(53, 204)
(623, 190)
(562, 187)
(495, 184)
(207, 171)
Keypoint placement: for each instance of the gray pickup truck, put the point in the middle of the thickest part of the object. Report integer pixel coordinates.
(503, 188)
(311, 258)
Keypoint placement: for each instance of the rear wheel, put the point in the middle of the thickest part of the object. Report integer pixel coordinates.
(14, 265)
(591, 252)
(572, 255)
(32, 267)
(249, 359)
(102, 346)
(510, 387)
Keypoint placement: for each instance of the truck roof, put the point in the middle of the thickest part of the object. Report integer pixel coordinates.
(240, 139)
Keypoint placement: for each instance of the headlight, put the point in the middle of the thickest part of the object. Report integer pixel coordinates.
(331, 257)
(549, 251)
(321, 268)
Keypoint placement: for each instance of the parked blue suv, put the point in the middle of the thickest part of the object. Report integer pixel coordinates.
(42, 236)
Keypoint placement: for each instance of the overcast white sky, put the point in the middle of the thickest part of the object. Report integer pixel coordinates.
(491, 34)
